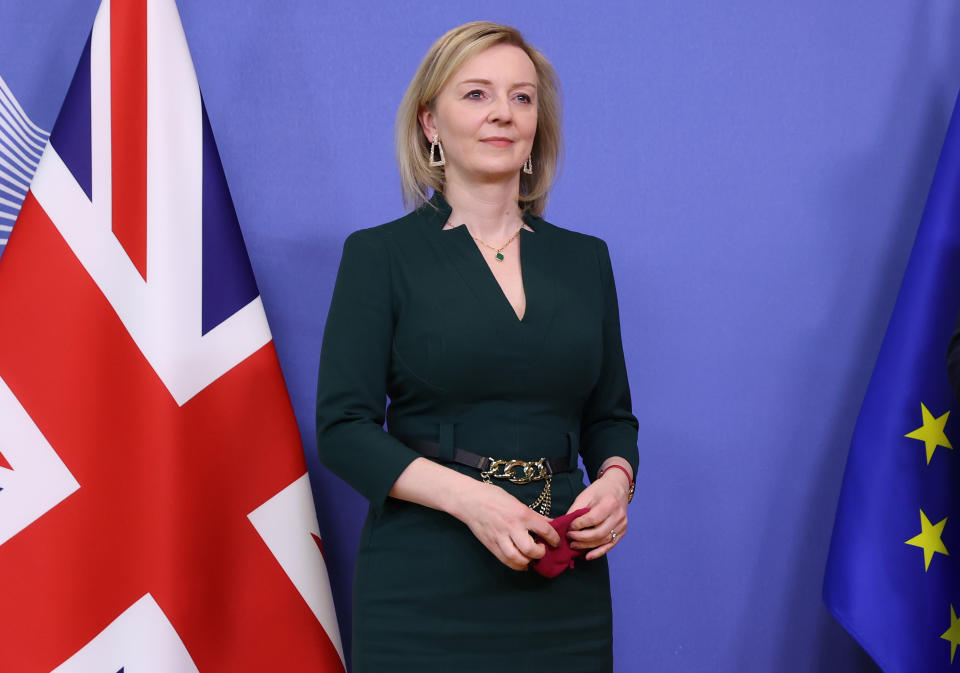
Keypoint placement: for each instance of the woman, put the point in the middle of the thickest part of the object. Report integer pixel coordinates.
(495, 335)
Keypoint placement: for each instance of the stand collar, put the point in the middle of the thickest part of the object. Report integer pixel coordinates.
(437, 211)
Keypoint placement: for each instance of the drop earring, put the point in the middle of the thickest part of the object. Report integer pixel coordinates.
(434, 146)
(528, 165)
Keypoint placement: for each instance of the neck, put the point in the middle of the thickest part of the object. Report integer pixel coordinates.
(489, 210)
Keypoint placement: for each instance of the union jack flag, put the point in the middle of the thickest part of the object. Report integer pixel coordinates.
(155, 511)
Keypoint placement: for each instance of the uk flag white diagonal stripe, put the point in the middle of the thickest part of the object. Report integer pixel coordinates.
(164, 312)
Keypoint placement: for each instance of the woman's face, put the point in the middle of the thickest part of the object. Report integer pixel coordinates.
(486, 115)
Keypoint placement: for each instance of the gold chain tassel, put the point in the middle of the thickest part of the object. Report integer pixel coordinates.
(543, 502)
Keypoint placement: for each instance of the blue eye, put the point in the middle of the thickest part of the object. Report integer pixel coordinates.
(524, 98)
(476, 94)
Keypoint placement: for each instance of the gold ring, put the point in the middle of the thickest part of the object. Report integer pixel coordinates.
(613, 535)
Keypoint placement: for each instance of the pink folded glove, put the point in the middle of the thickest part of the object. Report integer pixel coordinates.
(558, 559)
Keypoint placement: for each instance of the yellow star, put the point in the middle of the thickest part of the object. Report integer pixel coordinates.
(953, 633)
(929, 539)
(931, 432)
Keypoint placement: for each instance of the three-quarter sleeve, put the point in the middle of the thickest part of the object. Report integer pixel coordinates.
(352, 379)
(609, 427)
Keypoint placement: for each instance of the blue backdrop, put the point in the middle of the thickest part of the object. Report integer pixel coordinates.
(759, 169)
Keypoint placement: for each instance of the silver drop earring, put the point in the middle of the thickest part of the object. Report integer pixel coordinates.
(528, 165)
(434, 146)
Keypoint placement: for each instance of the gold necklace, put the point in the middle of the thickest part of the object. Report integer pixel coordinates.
(499, 251)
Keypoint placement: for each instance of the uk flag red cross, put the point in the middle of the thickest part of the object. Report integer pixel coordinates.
(155, 512)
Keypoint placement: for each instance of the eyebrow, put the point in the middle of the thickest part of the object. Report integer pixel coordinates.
(488, 83)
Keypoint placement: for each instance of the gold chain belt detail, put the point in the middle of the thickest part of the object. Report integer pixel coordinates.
(532, 470)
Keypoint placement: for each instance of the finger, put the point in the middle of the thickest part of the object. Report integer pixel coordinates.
(594, 544)
(528, 547)
(541, 526)
(602, 529)
(583, 500)
(511, 556)
(600, 534)
(595, 516)
(602, 509)
(599, 551)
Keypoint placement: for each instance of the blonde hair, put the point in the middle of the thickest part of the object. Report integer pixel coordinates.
(442, 60)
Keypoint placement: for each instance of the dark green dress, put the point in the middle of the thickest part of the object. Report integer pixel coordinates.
(417, 317)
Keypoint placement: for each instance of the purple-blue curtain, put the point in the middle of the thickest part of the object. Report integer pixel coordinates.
(758, 169)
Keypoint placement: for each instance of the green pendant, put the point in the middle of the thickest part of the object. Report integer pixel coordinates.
(499, 256)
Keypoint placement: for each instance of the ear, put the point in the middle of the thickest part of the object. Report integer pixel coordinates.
(428, 122)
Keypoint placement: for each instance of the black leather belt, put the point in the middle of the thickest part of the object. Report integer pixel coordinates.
(432, 450)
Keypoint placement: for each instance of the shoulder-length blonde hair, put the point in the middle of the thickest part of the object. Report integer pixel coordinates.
(442, 60)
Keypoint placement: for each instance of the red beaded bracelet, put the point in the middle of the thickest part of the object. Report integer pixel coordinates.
(624, 470)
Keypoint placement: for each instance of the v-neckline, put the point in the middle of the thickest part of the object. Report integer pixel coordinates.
(524, 239)
(536, 260)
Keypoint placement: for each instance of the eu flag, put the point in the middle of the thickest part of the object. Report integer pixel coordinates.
(893, 574)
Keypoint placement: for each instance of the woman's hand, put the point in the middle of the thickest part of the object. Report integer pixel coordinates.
(501, 522)
(503, 525)
(607, 499)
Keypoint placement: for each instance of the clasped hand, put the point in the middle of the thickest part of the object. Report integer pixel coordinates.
(503, 524)
(607, 499)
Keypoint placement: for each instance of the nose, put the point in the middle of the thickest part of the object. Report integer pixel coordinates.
(500, 111)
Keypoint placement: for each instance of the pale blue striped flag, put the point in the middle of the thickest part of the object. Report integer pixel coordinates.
(21, 144)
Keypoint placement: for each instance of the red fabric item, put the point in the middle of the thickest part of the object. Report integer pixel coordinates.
(558, 559)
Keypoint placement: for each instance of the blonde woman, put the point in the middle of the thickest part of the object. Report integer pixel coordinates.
(496, 337)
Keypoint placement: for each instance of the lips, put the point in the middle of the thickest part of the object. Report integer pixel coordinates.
(497, 141)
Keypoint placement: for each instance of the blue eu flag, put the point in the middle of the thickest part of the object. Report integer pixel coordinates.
(893, 574)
